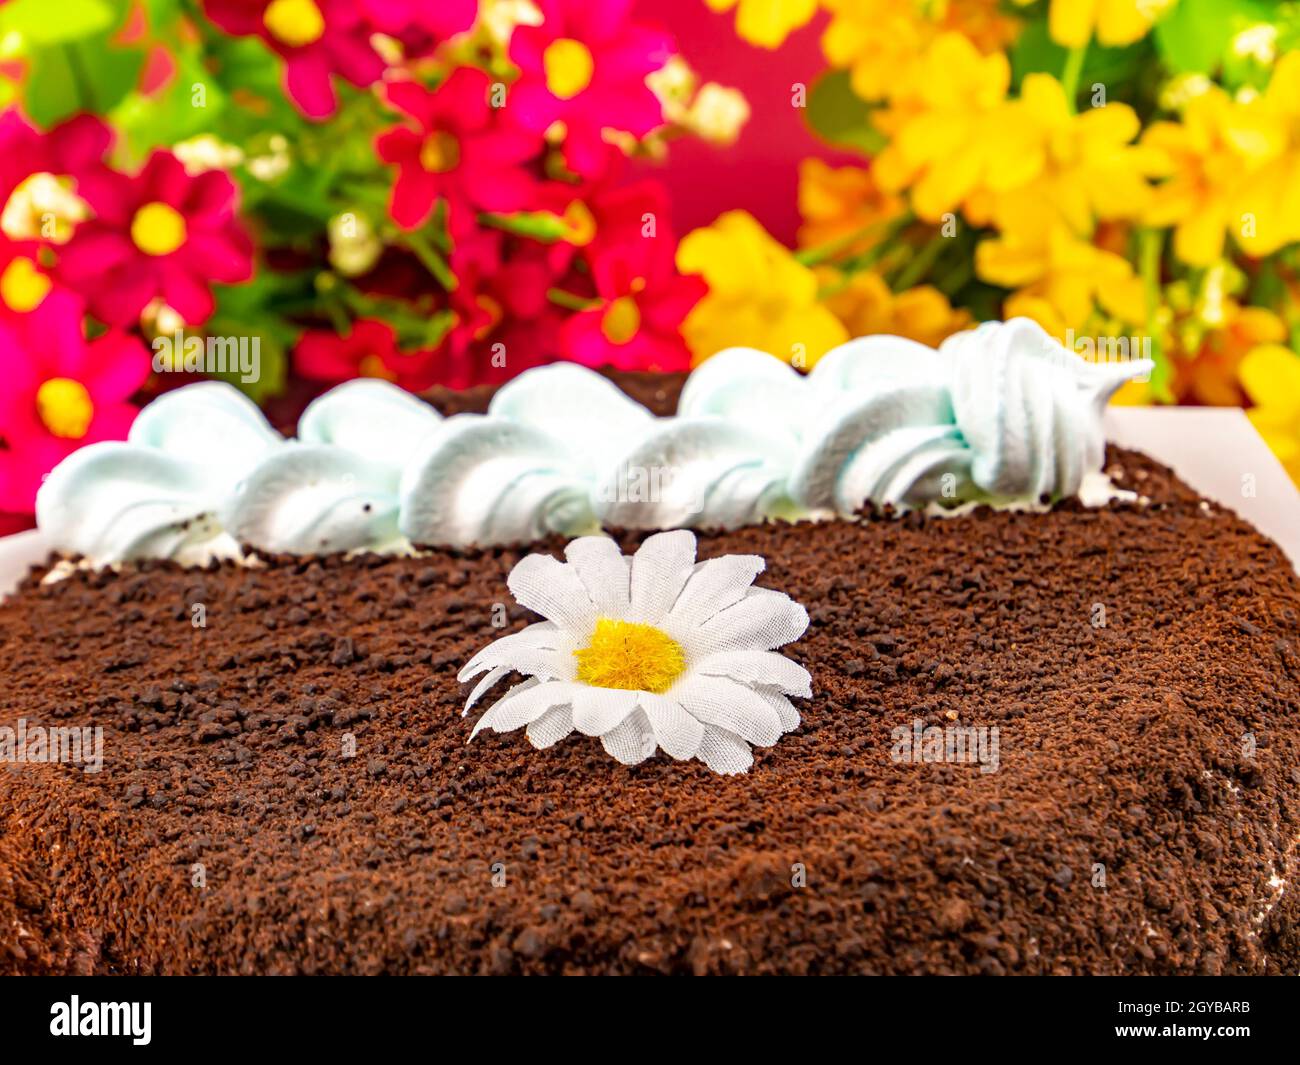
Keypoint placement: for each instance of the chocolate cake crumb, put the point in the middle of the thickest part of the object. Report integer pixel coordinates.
(289, 788)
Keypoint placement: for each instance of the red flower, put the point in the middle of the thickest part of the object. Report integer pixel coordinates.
(462, 149)
(586, 66)
(369, 350)
(161, 233)
(643, 300)
(60, 393)
(317, 38)
(505, 321)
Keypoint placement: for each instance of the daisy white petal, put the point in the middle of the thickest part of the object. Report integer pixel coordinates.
(522, 705)
(604, 572)
(494, 675)
(725, 752)
(676, 731)
(760, 621)
(551, 588)
(551, 727)
(535, 661)
(631, 741)
(785, 710)
(597, 710)
(727, 704)
(759, 667)
(541, 634)
(715, 584)
(650, 652)
(660, 568)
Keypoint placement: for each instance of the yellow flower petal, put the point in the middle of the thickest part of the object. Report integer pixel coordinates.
(1270, 374)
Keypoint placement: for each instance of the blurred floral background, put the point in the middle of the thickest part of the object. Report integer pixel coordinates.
(446, 192)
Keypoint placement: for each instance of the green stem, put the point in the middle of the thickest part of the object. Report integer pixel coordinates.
(85, 93)
(886, 228)
(431, 259)
(1150, 248)
(570, 301)
(920, 264)
(1071, 74)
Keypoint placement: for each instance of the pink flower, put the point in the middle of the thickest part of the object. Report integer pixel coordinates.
(60, 393)
(586, 66)
(460, 148)
(163, 234)
(369, 350)
(317, 38)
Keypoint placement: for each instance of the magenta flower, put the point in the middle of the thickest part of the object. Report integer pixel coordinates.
(438, 20)
(460, 148)
(43, 176)
(586, 66)
(163, 233)
(637, 324)
(60, 393)
(317, 38)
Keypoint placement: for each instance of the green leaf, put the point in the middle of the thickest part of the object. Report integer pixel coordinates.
(1117, 68)
(44, 23)
(192, 103)
(839, 116)
(1195, 35)
(85, 75)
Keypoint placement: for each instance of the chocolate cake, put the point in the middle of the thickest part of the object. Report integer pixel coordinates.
(287, 787)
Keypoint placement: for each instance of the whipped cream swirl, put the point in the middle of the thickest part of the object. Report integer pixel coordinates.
(1002, 414)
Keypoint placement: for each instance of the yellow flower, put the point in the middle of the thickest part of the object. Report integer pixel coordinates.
(759, 295)
(1062, 280)
(767, 23)
(1088, 168)
(1207, 160)
(838, 202)
(1209, 374)
(1267, 208)
(866, 306)
(881, 42)
(1116, 22)
(956, 137)
(1271, 377)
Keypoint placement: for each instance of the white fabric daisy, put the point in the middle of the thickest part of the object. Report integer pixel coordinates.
(647, 652)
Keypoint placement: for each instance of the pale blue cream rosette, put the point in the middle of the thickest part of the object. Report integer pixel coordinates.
(1002, 414)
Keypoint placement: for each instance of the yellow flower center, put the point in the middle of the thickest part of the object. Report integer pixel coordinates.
(579, 224)
(373, 366)
(22, 286)
(630, 656)
(621, 320)
(569, 66)
(294, 22)
(441, 152)
(65, 407)
(158, 229)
